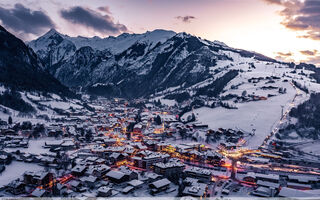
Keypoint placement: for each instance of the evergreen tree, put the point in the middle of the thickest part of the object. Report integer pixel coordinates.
(10, 120)
(158, 120)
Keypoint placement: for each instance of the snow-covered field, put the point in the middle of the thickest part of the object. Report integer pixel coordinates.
(35, 146)
(263, 115)
(16, 170)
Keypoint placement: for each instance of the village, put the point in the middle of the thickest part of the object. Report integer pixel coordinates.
(124, 150)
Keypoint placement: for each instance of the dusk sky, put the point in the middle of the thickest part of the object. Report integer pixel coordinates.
(284, 29)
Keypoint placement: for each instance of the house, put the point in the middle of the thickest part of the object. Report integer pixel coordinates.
(151, 177)
(146, 159)
(104, 191)
(5, 159)
(89, 181)
(159, 186)
(16, 187)
(127, 189)
(273, 186)
(169, 169)
(198, 173)
(61, 189)
(115, 157)
(299, 186)
(303, 179)
(254, 177)
(38, 178)
(263, 192)
(116, 176)
(78, 170)
(129, 174)
(196, 190)
(75, 185)
(39, 193)
(290, 192)
(97, 170)
(135, 183)
(137, 128)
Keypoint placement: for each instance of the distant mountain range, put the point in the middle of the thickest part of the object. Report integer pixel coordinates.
(21, 69)
(135, 65)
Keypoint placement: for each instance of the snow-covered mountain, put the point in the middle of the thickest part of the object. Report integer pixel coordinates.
(53, 47)
(21, 69)
(135, 65)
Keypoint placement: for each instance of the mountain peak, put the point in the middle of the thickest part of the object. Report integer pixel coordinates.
(51, 32)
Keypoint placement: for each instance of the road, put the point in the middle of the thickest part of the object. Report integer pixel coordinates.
(283, 117)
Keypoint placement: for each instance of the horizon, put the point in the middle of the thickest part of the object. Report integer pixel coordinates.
(286, 30)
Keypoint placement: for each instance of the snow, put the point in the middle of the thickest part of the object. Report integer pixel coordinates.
(261, 115)
(61, 105)
(35, 146)
(16, 170)
(114, 44)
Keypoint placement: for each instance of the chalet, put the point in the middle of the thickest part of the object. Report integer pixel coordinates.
(39, 193)
(299, 186)
(159, 186)
(78, 170)
(262, 192)
(97, 170)
(199, 173)
(137, 128)
(116, 176)
(251, 176)
(151, 177)
(127, 190)
(135, 183)
(198, 190)
(5, 159)
(271, 185)
(115, 157)
(61, 189)
(16, 187)
(104, 191)
(302, 179)
(129, 174)
(148, 158)
(290, 192)
(89, 181)
(75, 185)
(38, 178)
(169, 169)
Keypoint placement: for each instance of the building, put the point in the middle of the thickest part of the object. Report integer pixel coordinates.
(169, 169)
(78, 170)
(16, 187)
(116, 176)
(104, 191)
(196, 190)
(159, 186)
(38, 178)
(199, 173)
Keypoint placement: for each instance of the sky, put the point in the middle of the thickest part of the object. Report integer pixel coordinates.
(288, 30)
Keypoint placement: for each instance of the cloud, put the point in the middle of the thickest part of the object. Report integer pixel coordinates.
(285, 54)
(105, 9)
(285, 57)
(186, 19)
(92, 19)
(24, 21)
(273, 1)
(313, 60)
(303, 16)
(309, 53)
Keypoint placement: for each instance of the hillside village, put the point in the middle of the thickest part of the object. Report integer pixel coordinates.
(122, 149)
(159, 114)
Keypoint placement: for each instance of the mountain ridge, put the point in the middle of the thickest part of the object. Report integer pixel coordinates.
(150, 63)
(21, 69)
